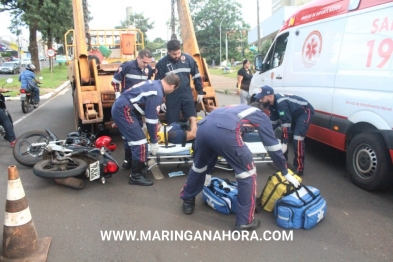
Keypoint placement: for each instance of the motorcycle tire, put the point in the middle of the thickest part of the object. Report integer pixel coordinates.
(24, 153)
(47, 169)
(25, 106)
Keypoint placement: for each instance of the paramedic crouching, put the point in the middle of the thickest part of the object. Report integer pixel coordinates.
(293, 113)
(220, 134)
(144, 99)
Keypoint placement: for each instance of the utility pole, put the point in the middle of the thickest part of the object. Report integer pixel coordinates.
(259, 30)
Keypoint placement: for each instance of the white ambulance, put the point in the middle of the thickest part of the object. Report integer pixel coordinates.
(338, 54)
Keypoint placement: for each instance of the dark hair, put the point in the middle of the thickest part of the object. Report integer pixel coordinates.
(145, 53)
(245, 61)
(257, 105)
(172, 79)
(173, 45)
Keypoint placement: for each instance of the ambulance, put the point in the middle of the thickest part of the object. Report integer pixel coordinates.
(338, 54)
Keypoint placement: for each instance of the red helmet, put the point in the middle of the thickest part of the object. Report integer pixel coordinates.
(105, 141)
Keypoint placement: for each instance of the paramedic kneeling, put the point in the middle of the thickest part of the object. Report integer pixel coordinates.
(144, 99)
(295, 114)
(220, 134)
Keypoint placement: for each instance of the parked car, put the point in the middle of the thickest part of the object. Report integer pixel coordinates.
(62, 59)
(42, 58)
(10, 67)
(25, 61)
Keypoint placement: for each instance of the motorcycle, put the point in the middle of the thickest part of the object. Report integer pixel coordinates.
(4, 108)
(78, 154)
(27, 99)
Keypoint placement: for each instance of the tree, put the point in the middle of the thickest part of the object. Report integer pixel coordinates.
(138, 21)
(51, 17)
(207, 16)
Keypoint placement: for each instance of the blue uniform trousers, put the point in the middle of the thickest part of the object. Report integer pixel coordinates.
(211, 142)
(300, 127)
(6, 123)
(130, 123)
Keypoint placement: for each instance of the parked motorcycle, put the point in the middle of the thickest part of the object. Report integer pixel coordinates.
(27, 99)
(4, 107)
(78, 154)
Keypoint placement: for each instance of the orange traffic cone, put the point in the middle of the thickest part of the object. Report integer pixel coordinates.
(20, 240)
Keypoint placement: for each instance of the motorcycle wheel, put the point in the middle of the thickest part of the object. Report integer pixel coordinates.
(24, 153)
(25, 106)
(47, 169)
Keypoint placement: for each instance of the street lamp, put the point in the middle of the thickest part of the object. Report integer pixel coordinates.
(220, 35)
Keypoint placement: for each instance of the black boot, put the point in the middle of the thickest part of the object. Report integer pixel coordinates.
(252, 226)
(137, 177)
(188, 206)
(127, 164)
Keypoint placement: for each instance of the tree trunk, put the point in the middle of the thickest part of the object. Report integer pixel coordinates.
(33, 47)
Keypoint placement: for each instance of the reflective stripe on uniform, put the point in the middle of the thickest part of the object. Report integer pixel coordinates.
(286, 125)
(298, 138)
(179, 70)
(273, 148)
(151, 121)
(199, 170)
(246, 174)
(131, 76)
(114, 80)
(148, 93)
(137, 143)
(140, 110)
(275, 121)
(295, 101)
(196, 76)
(247, 112)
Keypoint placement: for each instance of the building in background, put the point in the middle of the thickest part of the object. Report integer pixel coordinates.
(273, 14)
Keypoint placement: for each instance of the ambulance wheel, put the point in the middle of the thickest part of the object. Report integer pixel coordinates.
(368, 162)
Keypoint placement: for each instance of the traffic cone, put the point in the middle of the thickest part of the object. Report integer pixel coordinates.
(20, 240)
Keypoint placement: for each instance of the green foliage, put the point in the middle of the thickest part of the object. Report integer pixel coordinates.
(207, 15)
(138, 21)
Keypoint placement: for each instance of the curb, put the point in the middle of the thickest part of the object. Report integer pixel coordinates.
(46, 96)
(226, 92)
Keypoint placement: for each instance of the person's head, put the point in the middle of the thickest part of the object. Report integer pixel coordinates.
(265, 96)
(174, 49)
(170, 83)
(30, 67)
(144, 58)
(246, 64)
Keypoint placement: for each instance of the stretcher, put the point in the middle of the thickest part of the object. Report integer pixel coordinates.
(179, 154)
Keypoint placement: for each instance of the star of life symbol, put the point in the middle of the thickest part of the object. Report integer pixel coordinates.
(320, 215)
(312, 48)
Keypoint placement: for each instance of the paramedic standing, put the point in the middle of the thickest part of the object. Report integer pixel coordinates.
(182, 99)
(220, 134)
(144, 99)
(294, 113)
(244, 76)
(128, 74)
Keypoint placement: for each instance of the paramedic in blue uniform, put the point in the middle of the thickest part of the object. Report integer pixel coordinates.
(220, 134)
(294, 114)
(129, 74)
(182, 99)
(144, 99)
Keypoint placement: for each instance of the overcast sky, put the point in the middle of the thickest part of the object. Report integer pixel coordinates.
(108, 14)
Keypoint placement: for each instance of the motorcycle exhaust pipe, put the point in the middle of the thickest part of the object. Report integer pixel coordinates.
(72, 182)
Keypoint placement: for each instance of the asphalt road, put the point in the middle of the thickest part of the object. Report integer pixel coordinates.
(358, 225)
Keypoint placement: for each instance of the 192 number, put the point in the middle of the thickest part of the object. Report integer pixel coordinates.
(385, 51)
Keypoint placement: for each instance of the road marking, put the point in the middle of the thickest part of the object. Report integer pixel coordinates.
(156, 171)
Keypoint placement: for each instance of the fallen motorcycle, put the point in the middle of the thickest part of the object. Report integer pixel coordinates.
(58, 159)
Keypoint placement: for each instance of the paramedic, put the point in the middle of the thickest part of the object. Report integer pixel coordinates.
(144, 99)
(182, 99)
(128, 74)
(294, 114)
(219, 134)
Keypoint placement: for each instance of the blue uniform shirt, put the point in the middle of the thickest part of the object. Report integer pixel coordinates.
(128, 74)
(146, 98)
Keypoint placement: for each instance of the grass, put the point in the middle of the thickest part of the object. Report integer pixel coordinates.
(220, 72)
(51, 80)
